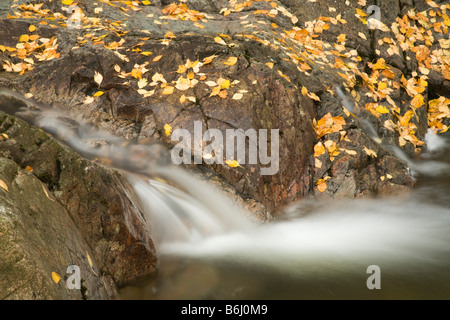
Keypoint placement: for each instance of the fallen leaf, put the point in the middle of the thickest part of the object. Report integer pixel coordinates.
(24, 38)
(370, 152)
(98, 78)
(211, 83)
(98, 93)
(237, 96)
(224, 84)
(231, 61)
(220, 41)
(321, 185)
(56, 277)
(232, 163)
(157, 58)
(319, 149)
(382, 109)
(29, 169)
(142, 83)
(31, 28)
(136, 73)
(168, 90)
(88, 100)
(167, 129)
(3, 185)
(223, 94)
(362, 35)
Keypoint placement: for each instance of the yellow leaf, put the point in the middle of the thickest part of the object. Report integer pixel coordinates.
(170, 34)
(382, 85)
(146, 2)
(361, 13)
(167, 129)
(270, 65)
(3, 185)
(31, 28)
(98, 93)
(5, 135)
(89, 259)
(220, 40)
(215, 91)
(232, 163)
(319, 149)
(56, 277)
(370, 152)
(67, 2)
(168, 90)
(231, 61)
(156, 59)
(418, 101)
(24, 38)
(225, 84)
(382, 109)
(321, 185)
(304, 91)
(182, 68)
(209, 59)
(146, 53)
(137, 74)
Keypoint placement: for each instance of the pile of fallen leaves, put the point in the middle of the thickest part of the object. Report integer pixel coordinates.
(302, 46)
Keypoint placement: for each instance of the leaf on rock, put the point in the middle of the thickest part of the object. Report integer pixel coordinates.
(3, 185)
(167, 129)
(321, 185)
(98, 78)
(231, 61)
(232, 163)
(56, 277)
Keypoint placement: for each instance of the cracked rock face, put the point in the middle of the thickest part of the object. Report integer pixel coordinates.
(270, 100)
(65, 212)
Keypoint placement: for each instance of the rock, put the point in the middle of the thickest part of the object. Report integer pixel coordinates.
(66, 209)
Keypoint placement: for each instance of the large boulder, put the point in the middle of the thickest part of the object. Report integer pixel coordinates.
(60, 209)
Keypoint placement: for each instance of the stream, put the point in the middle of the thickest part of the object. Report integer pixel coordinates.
(319, 250)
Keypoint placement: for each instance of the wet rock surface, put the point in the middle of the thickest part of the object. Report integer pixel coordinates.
(62, 210)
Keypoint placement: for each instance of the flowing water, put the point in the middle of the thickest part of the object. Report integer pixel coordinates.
(319, 251)
(209, 249)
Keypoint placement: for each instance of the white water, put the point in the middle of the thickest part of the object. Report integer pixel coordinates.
(320, 249)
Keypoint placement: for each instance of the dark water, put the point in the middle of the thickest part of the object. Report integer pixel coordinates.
(325, 253)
